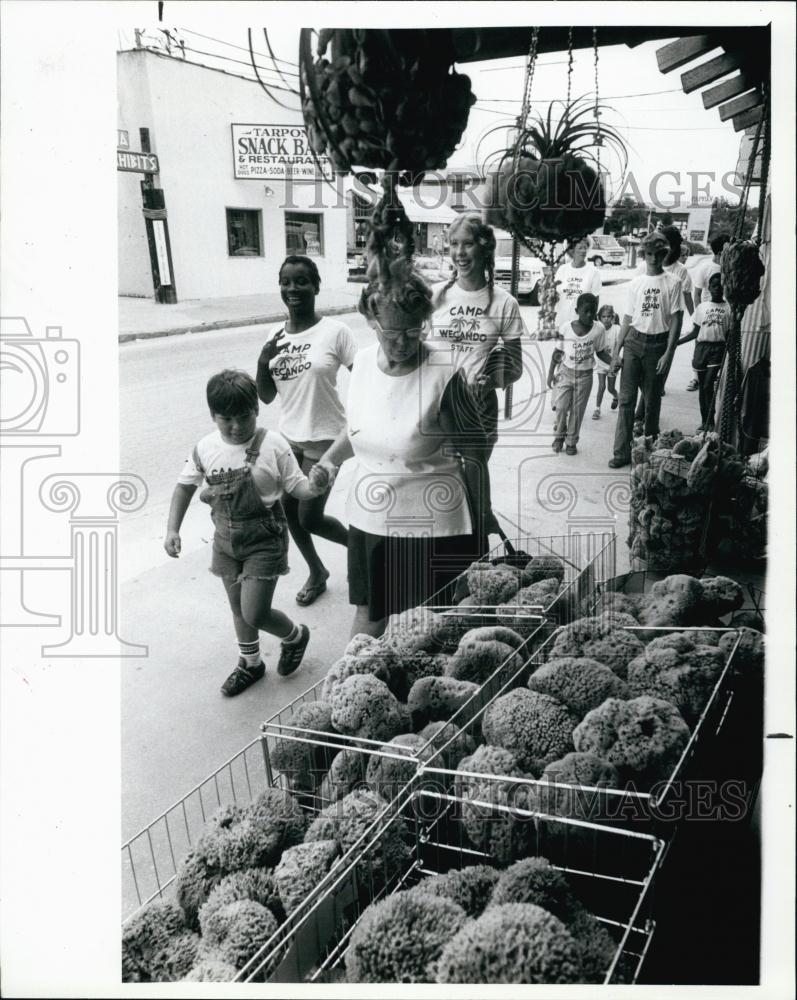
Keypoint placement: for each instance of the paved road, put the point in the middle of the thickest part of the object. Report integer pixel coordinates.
(176, 727)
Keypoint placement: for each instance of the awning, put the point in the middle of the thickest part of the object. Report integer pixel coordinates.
(421, 205)
(424, 206)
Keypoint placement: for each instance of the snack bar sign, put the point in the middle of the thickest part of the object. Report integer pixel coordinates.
(275, 152)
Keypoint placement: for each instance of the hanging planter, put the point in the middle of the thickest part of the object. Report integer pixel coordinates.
(383, 99)
(547, 186)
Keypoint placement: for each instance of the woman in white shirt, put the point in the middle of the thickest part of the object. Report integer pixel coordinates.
(299, 363)
(410, 524)
(573, 278)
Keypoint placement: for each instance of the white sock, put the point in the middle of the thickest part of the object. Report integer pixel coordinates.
(295, 633)
(250, 651)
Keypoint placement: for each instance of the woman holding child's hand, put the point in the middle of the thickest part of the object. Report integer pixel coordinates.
(299, 363)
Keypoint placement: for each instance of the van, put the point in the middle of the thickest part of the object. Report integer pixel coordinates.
(605, 250)
(530, 272)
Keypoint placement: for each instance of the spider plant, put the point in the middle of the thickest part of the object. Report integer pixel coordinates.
(547, 185)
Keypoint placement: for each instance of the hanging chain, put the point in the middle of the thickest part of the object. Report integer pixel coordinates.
(569, 65)
(531, 63)
(598, 136)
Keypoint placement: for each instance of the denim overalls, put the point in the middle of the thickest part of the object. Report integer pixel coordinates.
(251, 540)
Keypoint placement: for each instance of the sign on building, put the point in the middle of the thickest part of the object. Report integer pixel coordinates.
(140, 163)
(275, 152)
(698, 223)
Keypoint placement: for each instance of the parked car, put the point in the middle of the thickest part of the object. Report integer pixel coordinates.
(530, 272)
(605, 250)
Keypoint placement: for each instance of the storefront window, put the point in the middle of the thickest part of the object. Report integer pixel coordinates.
(243, 232)
(304, 233)
(363, 210)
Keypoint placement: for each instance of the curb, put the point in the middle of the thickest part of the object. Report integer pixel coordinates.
(226, 324)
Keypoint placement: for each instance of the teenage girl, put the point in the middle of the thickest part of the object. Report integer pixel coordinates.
(472, 319)
(299, 363)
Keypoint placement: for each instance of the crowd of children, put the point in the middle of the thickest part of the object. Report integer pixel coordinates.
(640, 347)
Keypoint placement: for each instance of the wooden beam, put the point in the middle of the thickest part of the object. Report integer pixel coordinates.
(709, 71)
(740, 104)
(748, 118)
(724, 91)
(684, 50)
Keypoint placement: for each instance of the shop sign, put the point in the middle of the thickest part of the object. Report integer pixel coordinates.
(141, 163)
(159, 236)
(122, 139)
(275, 152)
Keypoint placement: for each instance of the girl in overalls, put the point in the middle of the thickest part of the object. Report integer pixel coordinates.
(245, 469)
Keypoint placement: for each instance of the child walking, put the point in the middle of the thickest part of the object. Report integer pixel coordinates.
(554, 375)
(611, 325)
(712, 322)
(581, 340)
(245, 469)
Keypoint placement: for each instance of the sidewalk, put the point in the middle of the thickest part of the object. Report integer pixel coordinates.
(142, 319)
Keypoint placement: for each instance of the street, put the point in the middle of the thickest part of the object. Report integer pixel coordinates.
(176, 727)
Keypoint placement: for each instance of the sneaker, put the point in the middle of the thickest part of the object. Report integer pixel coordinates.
(557, 446)
(571, 450)
(692, 387)
(615, 403)
(596, 415)
(242, 677)
(292, 652)
(618, 463)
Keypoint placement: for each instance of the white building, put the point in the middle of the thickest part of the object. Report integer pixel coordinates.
(228, 234)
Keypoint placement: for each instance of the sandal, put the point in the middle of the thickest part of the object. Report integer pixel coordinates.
(308, 595)
(291, 653)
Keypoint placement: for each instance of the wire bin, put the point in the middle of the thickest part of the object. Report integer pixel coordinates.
(299, 759)
(657, 809)
(150, 858)
(611, 871)
(588, 559)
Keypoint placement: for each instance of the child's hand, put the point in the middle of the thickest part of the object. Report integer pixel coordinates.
(320, 478)
(172, 544)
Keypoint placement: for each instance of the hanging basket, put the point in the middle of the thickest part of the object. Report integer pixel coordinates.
(383, 99)
(547, 185)
(546, 200)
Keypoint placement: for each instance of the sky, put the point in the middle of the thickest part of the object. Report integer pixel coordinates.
(664, 130)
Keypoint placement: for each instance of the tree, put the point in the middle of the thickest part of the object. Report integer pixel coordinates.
(627, 215)
(725, 214)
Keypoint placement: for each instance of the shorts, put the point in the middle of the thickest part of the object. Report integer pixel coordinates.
(255, 549)
(307, 453)
(390, 574)
(708, 354)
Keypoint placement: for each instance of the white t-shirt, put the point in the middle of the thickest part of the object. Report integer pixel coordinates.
(467, 329)
(714, 320)
(678, 269)
(652, 300)
(580, 351)
(305, 374)
(406, 481)
(275, 469)
(574, 282)
(611, 339)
